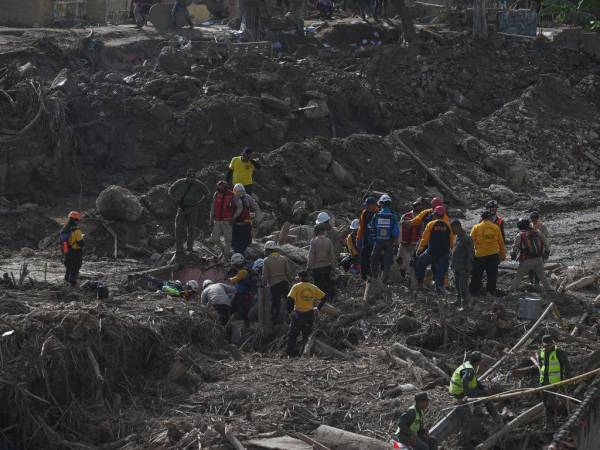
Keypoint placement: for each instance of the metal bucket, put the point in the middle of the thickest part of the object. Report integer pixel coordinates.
(529, 308)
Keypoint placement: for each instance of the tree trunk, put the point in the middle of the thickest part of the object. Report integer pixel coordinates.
(337, 439)
(480, 30)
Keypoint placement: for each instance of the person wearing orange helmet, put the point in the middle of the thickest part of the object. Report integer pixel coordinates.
(427, 215)
(71, 239)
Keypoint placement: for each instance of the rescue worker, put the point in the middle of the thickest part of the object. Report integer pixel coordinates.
(351, 262)
(72, 244)
(386, 234)
(303, 298)
(426, 215)
(409, 238)
(364, 237)
(492, 207)
(187, 192)
(321, 260)
(528, 248)
(181, 6)
(464, 384)
(241, 170)
(462, 262)
(241, 233)
(323, 222)
(538, 225)
(219, 296)
(276, 275)
(221, 216)
(489, 251)
(242, 280)
(434, 248)
(554, 367)
(410, 429)
(176, 289)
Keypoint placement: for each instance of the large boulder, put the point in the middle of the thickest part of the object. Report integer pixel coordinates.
(118, 203)
(158, 201)
(342, 175)
(509, 165)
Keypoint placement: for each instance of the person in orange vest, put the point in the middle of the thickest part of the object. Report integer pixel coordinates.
(409, 238)
(427, 215)
(71, 239)
(221, 217)
(492, 207)
(364, 236)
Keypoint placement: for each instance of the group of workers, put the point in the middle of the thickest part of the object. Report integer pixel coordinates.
(427, 237)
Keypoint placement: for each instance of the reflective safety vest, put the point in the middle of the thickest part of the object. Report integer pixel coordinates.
(553, 367)
(224, 207)
(414, 427)
(383, 226)
(456, 382)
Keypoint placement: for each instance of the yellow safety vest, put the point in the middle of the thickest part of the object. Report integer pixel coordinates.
(456, 382)
(414, 427)
(553, 367)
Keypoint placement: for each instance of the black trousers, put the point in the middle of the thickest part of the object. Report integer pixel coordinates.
(241, 237)
(550, 407)
(300, 323)
(224, 311)
(240, 305)
(489, 265)
(322, 279)
(278, 291)
(365, 259)
(73, 261)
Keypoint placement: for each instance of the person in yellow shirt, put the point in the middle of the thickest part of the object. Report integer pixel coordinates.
(303, 298)
(241, 170)
(71, 239)
(489, 251)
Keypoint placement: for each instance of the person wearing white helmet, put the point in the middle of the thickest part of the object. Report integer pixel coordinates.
(322, 222)
(242, 281)
(386, 233)
(219, 296)
(321, 261)
(352, 260)
(241, 233)
(276, 276)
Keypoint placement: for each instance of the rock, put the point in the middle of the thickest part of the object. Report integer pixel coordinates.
(502, 194)
(27, 252)
(471, 146)
(158, 201)
(342, 175)
(114, 77)
(407, 324)
(299, 212)
(321, 111)
(509, 165)
(118, 203)
(323, 159)
(296, 254)
(161, 242)
(273, 103)
(172, 61)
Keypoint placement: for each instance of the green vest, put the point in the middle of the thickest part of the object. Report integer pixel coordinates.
(456, 382)
(414, 427)
(553, 367)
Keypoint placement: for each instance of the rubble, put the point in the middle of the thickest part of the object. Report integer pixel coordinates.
(118, 203)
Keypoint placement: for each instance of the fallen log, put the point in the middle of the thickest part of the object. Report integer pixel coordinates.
(529, 415)
(581, 283)
(337, 439)
(227, 434)
(330, 351)
(347, 319)
(577, 327)
(420, 360)
(316, 445)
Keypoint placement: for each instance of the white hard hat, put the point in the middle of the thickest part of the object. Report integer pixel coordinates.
(207, 283)
(239, 187)
(384, 199)
(193, 285)
(322, 217)
(355, 224)
(270, 245)
(258, 264)
(237, 258)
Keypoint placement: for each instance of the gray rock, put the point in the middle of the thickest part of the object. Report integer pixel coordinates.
(320, 111)
(471, 146)
(296, 254)
(342, 175)
(118, 203)
(274, 104)
(161, 242)
(158, 201)
(171, 60)
(114, 77)
(299, 212)
(509, 165)
(503, 194)
(323, 159)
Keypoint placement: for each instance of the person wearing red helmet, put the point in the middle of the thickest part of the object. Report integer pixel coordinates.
(71, 239)
(426, 215)
(434, 248)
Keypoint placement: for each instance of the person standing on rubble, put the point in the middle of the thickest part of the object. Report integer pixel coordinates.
(386, 233)
(221, 216)
(409, 238)
(428, 214)
(219, 296)
(321, 258)
(434, 248)
(242, 280)
(410, 429)
(538, 225)
(276, 275)
(187, 192)
(181, 6)
(528, 248)
(303, 298)
(462, 263)
(464, 384)
(71, 239)
(351, 262)
(489, 251)
(492, 207)
(364, 237)
(554, 367)
(241, 234)
(241, 170)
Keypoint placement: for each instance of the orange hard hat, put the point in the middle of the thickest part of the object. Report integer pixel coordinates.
(75, 215)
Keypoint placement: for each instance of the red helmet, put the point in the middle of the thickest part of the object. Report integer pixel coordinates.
(439, 210)
(436, 201)
(75, 215)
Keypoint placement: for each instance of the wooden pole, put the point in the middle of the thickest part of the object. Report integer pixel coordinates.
(528, 416)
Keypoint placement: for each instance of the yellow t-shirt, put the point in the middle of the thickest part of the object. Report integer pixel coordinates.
(305, 295)
(242, 171)
(75, 237)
